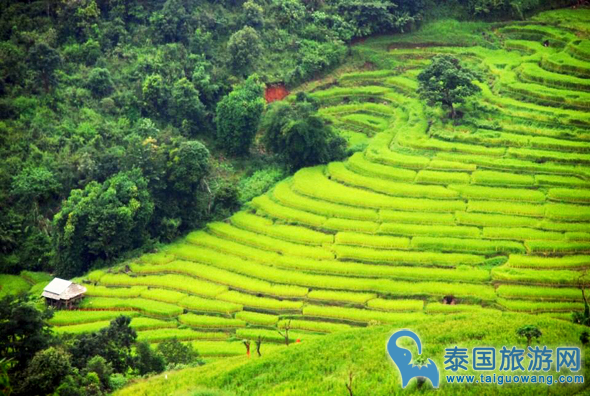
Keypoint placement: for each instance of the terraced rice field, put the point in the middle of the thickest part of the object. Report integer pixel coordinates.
(495, 216)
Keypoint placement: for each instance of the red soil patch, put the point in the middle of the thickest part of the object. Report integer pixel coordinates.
(275, 92)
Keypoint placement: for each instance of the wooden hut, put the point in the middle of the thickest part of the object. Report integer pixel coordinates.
(61, 293)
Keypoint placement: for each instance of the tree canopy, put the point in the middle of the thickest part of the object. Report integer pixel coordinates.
(238, 115)
(446, 81)
(299, 135)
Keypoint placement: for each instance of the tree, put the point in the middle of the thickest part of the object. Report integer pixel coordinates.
(247, 345)
(46, 371)
(369, 17)
(113, 343)
(258, 342)
(584, 337)
(447, 81)
(5, 386)
(45, 61)
(102, 369)
(23, 331)
(175, 352)
(155, 95)
(100, 82)
(187, 111)
(148, 361)
(244, 47)
(582, 318)
(101, 221)
(285, 332)
(172, 23)
(296, 133)
(33, 185)
(238, 115)
(349, 382)
(253, 14)
(530, 332)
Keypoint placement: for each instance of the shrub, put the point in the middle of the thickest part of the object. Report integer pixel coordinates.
(238, 115)
(258, 183)
(295, 132)
(100, 82)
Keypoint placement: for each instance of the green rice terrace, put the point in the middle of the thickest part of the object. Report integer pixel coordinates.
(487, 219)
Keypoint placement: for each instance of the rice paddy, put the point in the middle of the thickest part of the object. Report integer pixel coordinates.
(494, 215)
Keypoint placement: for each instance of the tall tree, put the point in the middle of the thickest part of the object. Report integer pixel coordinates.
(238, 115)
(101, 221)
(23, 330)
(45, 61)
(244, 47)
(45, 372)
(187, 110)
(448, 82)
(296, 133)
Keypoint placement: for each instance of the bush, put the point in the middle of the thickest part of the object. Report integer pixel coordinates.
(258, 183)
(244, 47)
(296, 133)
(238, 115)
(99, 82)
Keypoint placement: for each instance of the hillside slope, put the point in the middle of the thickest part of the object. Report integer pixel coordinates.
(493, 214)
(322, 367)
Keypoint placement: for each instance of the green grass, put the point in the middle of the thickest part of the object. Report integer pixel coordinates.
(260, 302)
(256, 318)
(518, 261)
(520, 234)
(274, 336)
(322, 366)
(265, 205)
(537, 276)
(539, 293)
(482, 220)
(211, 322)
(497, 193)
(148, 307)
(384, 242)
(409, 258)
(340, 296)
(13, 284)
(169, 281)
(448, 309)
(479, 246)
(554, 247)
(380, 304)
(506, 208)
(261, 241)
(359, 164)
(289, 233)
(160, 335)
(569, 195)
(438, 177)
(289, 198)
(429, 230)
(416, 217)
(536, 307)
(340, 173)
(75, 317)
(310, 325)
